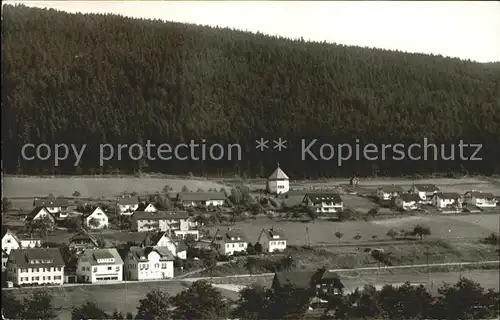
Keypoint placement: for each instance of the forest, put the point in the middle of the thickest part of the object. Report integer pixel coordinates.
(94, 79)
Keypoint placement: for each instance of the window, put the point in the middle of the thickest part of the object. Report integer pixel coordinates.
(48, 277)
(157, 265)
(8, 240)
(164, 266)
(83, 268)
(59, 268)
(242, 245)
(117, 268)
(95, 269)
(109, 268)
(43, 278)
(57, 277)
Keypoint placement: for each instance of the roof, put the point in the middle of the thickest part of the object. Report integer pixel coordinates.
(23, 256)
(278, 174)
(143, 205)
(426, 187)
(232, 233)
(275, 232)
(448, 195)
(408, 197)
(481, 195)
(201, 196)
(92, 255)
(151, 239)
(6, 230)
(50, 202)
(299, 279)
(89, 213)
(160, 215)
(128, 200)
(34, 213)
(84, 235)
(322, 197)
(138, 252)
(391, 189)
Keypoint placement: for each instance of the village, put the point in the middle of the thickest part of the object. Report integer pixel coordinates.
(168, 233)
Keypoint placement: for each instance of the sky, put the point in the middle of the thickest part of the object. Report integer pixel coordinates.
(463, 29)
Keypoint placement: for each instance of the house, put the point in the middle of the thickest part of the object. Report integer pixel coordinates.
(40, 213)
(84, 240)
(146, 207)
(149, 263)
(480, 199)
(10, 241)
(407, 201)
(100, 265)
(95, 219)
(160, 221)
(321, 283)
(425, 191)
(324, 202)
(227, 242)
(388, 192)
(163, 239)
(127, 205)
(201, 199)
(272, 240)
(52, 204)
(35, 266)
(278, 182)
(443, 200)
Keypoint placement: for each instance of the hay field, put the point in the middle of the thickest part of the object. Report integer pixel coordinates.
(96, 187)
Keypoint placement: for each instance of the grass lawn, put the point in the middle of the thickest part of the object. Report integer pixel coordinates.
(96, 187)
(124, 297)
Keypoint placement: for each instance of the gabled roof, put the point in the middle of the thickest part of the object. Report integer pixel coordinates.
(391, 189)
(139, 253)
(299, 279)
(89, 213)
(278, 174)
(91, 255)
(128, 200)
(152, 239)
(143, 205)
(228, 235)
(317, 198)
(160, 215)
(270, 233)
(426, 187)
(35, 212)
(481, 195)
(409, 197)
(6, 230)
(448, 195)
(23, 256)
(84, 235)
(201, 196)
(50, 202)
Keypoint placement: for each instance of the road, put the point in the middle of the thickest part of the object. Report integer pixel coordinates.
(270, 274)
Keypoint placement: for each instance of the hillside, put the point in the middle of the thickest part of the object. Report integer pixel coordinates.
(74, 78)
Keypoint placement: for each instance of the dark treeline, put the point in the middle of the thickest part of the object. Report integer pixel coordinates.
(90, 79)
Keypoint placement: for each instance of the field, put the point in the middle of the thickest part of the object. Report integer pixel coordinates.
(124, 297)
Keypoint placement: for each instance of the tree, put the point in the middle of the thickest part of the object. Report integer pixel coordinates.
(42, 226)
(253, 302)
(76, 194)
(39, 306)
(89, 310)
(12, 308)
(94, 223)
(405, 302)
(190, 240)
(185, 189)
(258, 247)
(167, 189)
(250, 264)
(286, 263)
(421, 231)
(157, 305)
(200, 190)
(117, 315)
(200, 301)
(367, 304)
(311, 213)
(73, 224)
(339, 235)
(289, 302)
(391, 234)
(374, 211)
(6, 204)
(210, 261)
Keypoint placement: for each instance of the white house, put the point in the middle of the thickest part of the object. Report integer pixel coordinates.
(52, 204)
(197, 199)
(35, 266)
(447, 200)
(97, 215)
(10, 242)
(160, 221)
(324, 202)
(425, 191)
(229, 241)
(162, 239)
(146, 207)
(272, 240)
(100, 265)
(84, 240)
(388, 192)
(480, 199)
(278, 182)
(407, 201)
(149, 263)
(40, 213)
(127, 205)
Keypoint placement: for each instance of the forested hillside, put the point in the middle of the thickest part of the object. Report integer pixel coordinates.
(74, 78)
